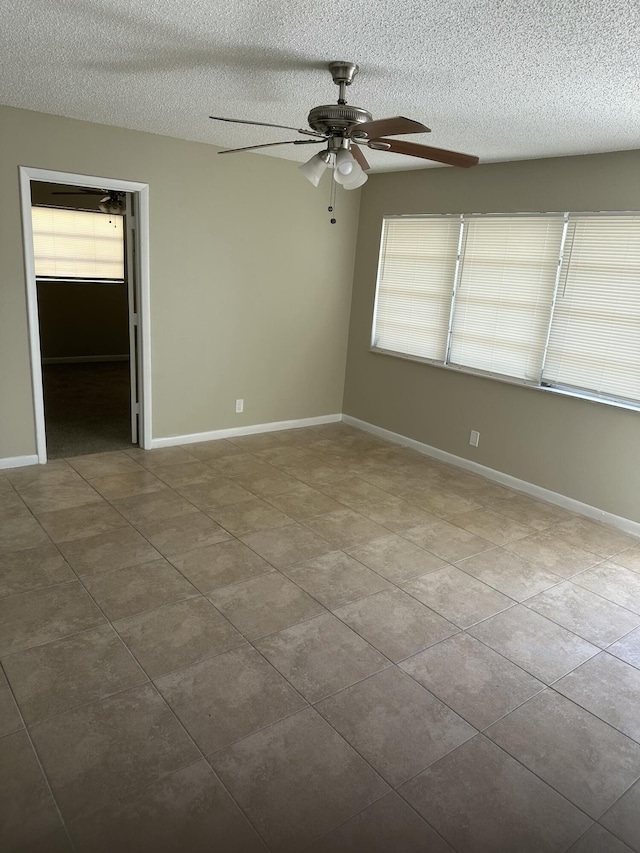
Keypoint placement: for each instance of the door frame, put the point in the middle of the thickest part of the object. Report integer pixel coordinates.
(141, 192)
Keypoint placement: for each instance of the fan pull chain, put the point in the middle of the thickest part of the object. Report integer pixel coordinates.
(332, 201)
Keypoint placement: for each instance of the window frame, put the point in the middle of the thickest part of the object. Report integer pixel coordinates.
(541, 385)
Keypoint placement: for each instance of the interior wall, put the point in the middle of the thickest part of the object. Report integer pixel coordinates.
(250, 283)
(585, 450)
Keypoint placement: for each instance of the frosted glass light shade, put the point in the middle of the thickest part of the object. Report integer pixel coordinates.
(315, 168)
(360, 179)
(347, 168)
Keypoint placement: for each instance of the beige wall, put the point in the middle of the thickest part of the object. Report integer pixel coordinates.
(250, 284)
(587, 451)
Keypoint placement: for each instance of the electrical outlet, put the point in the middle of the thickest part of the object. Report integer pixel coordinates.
(239, 406)
(474, 438)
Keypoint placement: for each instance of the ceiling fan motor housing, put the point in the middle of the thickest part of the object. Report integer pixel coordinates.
(335, 118)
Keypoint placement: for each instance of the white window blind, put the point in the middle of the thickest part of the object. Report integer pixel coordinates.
(415, 281)
(595, 333)
(504, 295)
(77, 244)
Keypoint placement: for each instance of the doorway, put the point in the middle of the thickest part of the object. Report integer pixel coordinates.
(88, 308)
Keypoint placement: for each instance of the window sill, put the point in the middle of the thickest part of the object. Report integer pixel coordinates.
(521, 383)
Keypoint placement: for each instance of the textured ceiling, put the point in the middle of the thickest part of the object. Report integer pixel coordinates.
(503, 79)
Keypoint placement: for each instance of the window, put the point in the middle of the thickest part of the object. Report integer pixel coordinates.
(77, 245)
(550, 300)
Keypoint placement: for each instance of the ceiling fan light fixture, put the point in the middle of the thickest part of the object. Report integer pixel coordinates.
(347, 169)
(315, 168)
(356, 182)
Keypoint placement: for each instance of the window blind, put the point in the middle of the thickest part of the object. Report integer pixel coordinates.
(595, 332)
(504, 294)
(415, 281)
(77, 244)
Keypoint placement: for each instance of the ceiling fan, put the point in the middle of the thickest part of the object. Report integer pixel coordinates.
(113, 202)
(344, 130)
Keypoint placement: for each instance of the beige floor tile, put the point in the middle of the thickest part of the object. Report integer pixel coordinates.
(457, 596)
(117, 486)
(227, 697)
(533, 513)
(266, 484)
(316, 472)
(28, 816)
(395, 514)
(598, 840)
(447, 541)
(244, 464)
(598, 538)
(473, 680)
(335, 579)
(395, 558)
(46, 498)
(249, 516)
(491, 525)
(623, 820)
(210, 494)
(152, 459)
(174, 536)
(303, 502)
(79, 522)
(541, 647)
(66, 673)
(157, 506)
(220, 565)
(441, 501)
(186, 474)
(287, 546)
(9, 717)
(608, 688)
(43, 615)
(97, 753)
(134, 589)
(297, 780)
(282, 454)
(388, 824)
(586, 614)
(506, 808)
(264, 604)
(55, 471)
(186, 810)
(116, 549)
(20, 534)
(36, 567)
(352, 491)
(620, 585)
(628, 648)
(395, 623)
(321, 656)
(251, 443)
(178, 635)
(345, 528)
(584, 759)
(103, 464)
(509, 573)
(206, 450)
(550, 551)
(395, 724)
(630, 559)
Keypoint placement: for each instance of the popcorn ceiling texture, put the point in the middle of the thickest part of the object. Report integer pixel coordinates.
(503, 79)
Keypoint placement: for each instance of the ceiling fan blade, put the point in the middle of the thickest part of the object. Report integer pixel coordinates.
(271, 144)
(440, 155)
(387, 127)
(266, 124)
(359, 157)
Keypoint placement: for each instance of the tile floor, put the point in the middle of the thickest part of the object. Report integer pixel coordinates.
(311, 640)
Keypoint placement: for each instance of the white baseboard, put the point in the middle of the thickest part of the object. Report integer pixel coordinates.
(18, 461)
(625, 524)
(81, 359)
(253, 429)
